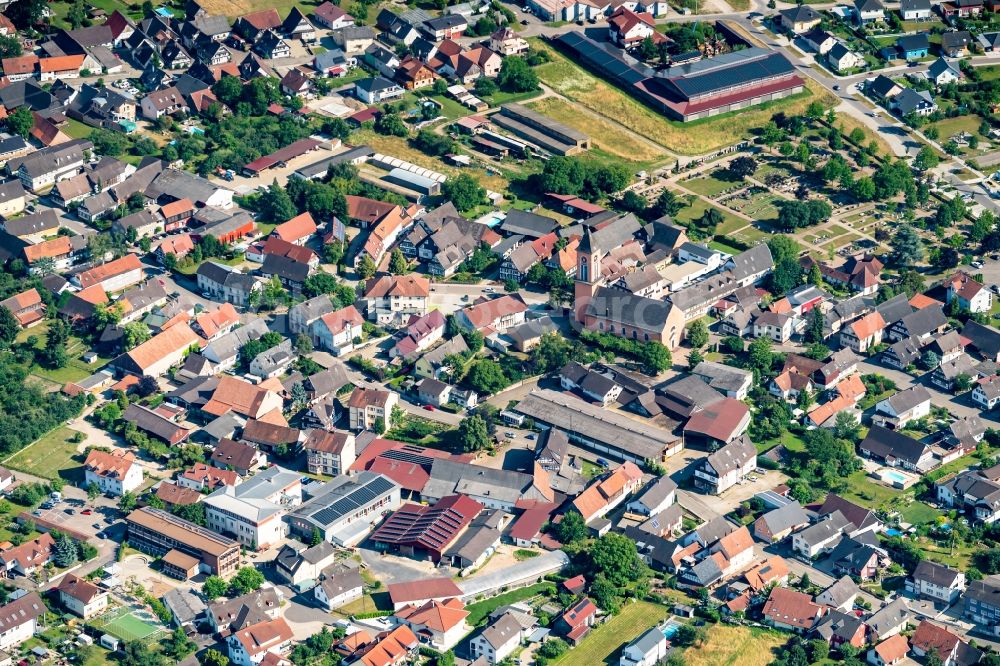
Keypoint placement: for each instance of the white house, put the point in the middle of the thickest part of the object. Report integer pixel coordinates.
(970, 294)
(899, 409)
(987, 392)
(497, 641)
(937, 582)
(19, 620)
(115, 473)
(648, 649)
(339, 587)
(253, 511)
(248, 646)
(915, 10)
(81, 597)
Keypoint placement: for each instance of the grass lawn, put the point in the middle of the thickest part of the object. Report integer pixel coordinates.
(606, 135)
(236, 8)
(52, 455)
(77, 130)
(191, 269)
(714, 183)
(692, 138)
(917, 513)
(75, 370)
(960, 556)
(951, 126)
(698, 207)
(480, 610)
(605, 641)
(849, 123)
(7, 521)
(866, 492)
(735, 646)
(990, 73)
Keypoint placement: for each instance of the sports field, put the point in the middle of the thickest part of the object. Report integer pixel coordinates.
(122, 623)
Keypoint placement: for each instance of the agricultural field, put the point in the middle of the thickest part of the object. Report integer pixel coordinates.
(735, 646)
(608, 136)
(694, 138)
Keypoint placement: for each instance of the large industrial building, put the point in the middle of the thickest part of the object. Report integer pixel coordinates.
(699, 89)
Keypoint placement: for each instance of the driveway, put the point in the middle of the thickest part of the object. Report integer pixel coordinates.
(394, 569)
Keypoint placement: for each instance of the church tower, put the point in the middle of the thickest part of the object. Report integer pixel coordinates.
(588, 274)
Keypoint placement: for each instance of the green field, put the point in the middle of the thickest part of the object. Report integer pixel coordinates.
(52, 456)
(691, 138)
(735, 646)
(952, 126)
(603, 642)
(480, 610)
(126, 626)
(698, 207)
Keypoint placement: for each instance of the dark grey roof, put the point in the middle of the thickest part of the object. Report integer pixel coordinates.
(724, 71)
(46, 220)
(923, 321)
(789, 516)
(527, 224)
(985, 339)
(889, 617)
(936, 574)
(842, 589)
(913, 42)
(835, 523)
(628, 309)
(908, 399)
(656, 491)
(800, 14)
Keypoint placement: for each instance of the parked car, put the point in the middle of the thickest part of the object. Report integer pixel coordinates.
(429, 408)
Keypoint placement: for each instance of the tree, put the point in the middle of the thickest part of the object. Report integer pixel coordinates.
(179, 645)
(783, 247)
(486, 376)
(787, 275)
(246, 580)
(926, 159)
(10, 46)
(666, 203)
(846, 427)
(742, 167)
(9, 327)
(397, 262)
(65, 552)
(391, 124)
(615, 556)
(760, 355)
(907, 248)
(274, 204)
(516, 75)
(654, 357)
(814, 332)
(464, 191)
(472, 433)
(135, 333)
(571, 528)
(93, 490)
(213, 657)
(228, 90)
(127, 502)
(319, 283)
(137, 653)
(20, 121)
(697, 334)
(366, 267)
(26, 13)
(214, 587)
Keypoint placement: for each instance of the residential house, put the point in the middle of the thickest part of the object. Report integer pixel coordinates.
(937, 582)
(778, 524)
(903, 407)
(968, 293)
(792, 611)
(114, 473)
(895, 449)
(338, 586)
(724, 468)
(81, 597)
(915, 10)
(370, 406)
(799, 19)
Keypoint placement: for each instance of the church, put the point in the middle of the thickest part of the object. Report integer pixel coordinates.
(605, 310)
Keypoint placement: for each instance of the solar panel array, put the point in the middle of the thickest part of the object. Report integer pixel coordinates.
(610, 64)
(356, 499)
(739, 73)
(404, 455)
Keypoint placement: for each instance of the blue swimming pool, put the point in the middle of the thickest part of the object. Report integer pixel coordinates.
(895, 477)
(894, 532)
(669, 629)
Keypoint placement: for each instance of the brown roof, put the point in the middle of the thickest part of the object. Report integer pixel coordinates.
(419, 590)
(263, 636)
(171, 493)
(113, 465)
(368, 211)
(24, 299)
(363, 397)
(264, 19)
(176, 208)
(234, 454)
(211, 476)
(179, 560)
(54, 247)
(324, 441)
(94, 295)
(929, 636)
(791, 608)
(182, 531)
(719, 420)
(487, 312)
(397, 285)
(170, 341)
(261, 432)
(893, 648)
(598, 494)
(236, 394)
(764, 573)
(129, 262)
(30, 553)
(60, 63)
(343, 318)
(736, 542)
(296, 228)
(79, 588)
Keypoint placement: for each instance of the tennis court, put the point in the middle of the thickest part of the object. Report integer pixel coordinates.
(124, 624)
